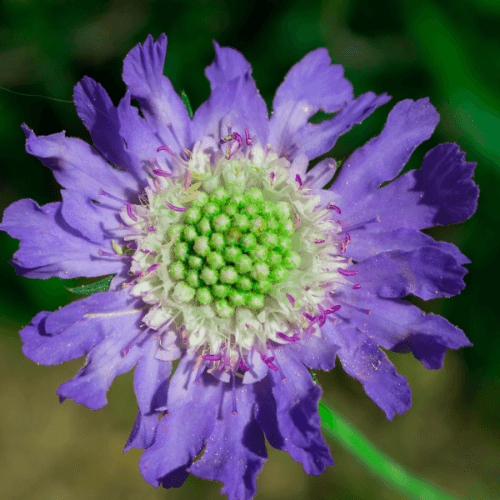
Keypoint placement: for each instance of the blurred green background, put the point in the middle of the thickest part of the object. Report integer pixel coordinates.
(447, 50)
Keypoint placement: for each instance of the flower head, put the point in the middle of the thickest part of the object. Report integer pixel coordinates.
(229, 256)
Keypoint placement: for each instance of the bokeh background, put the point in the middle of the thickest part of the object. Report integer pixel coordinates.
(447, 50)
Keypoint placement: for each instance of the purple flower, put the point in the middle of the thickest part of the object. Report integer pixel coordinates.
(230, 257)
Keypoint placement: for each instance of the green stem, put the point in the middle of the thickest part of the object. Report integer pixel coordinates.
(379, 464)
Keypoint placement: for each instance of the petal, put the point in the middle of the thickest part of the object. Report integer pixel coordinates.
(209, 119)
(316, 353)
(248, 109)
(97, 112)
(98, 222)
(362, 359)
(78, 166)
(428, 273)
(182, 433)
(236, 449)
(365, 244)
(311, 84)
(287, 411)
(49, 246)
(104, 362)
(151, 379)
(160, 105)
(143, 433)
(70, 332)
(315, 140)
(401, 327)
(441, 192)
(382, 158)
(139, 138)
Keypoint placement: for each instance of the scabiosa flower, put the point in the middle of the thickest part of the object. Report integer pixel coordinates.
(230, 257)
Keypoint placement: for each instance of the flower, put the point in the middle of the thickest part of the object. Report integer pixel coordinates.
(230, 257)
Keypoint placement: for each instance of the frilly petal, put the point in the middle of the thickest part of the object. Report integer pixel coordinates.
(78, 166)
(182, 433)
(311, 84)
(287, 411)
(364, 360)
(248, 109)
(160, 105)
(236, 449)
(72, 331)
(382, 158)
(49, 246)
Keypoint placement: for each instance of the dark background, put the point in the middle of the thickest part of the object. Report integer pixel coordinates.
(447, 50)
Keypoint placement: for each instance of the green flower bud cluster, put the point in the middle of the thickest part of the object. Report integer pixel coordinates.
(232, 250)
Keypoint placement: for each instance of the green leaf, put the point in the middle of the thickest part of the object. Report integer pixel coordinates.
(185, 100)
(99, 286)
(377, 462)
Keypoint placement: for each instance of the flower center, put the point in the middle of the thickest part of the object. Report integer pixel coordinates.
(231, 251)
(234, 251)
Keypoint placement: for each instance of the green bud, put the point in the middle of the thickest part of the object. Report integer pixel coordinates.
(255, 300)
(232, 254)
(178, 270)
(192, 215)
(221, 223)
(219, 196)
(228, 275)
(193, 278)
(244, 264)
(204, 226)
(217, 241)
(190, 233)
(181, 250)
(201, 201)
(201, 246)
(195, 262)
(215, 260)
(292, 260)
(183, 292)
(203, 295)
(220, 290)
(223, 309)
(209, 276)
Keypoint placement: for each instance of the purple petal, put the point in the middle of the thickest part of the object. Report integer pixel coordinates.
(401, 327)
(182, 433)
(287, 411)
(442, 192)
(365, 244)
(363, 359)
(99, 223)
(49, 246)
(382, 158)
(70, 332)
(78, 166)
(209, 118)
(314, 352)
(139, 138)
(104, 362)
(236, 449)
(151, 379)
(249, 109)
(160, 105)
(143, 433)
(99, 115)
(315, 140)
(311, 84)
(428, 273)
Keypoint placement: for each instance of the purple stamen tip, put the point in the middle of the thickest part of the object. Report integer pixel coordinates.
(357, 286)
(129, 212)
(290, 298)
(161, 173)
(347, 273)
(293, 338)
(177, 209)
(299, 180)
(165, 148)
(317, 241)
(212, 357)
(331, 206)
(238, 139)
(152, 268)
(152, 229)
(247, 137)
